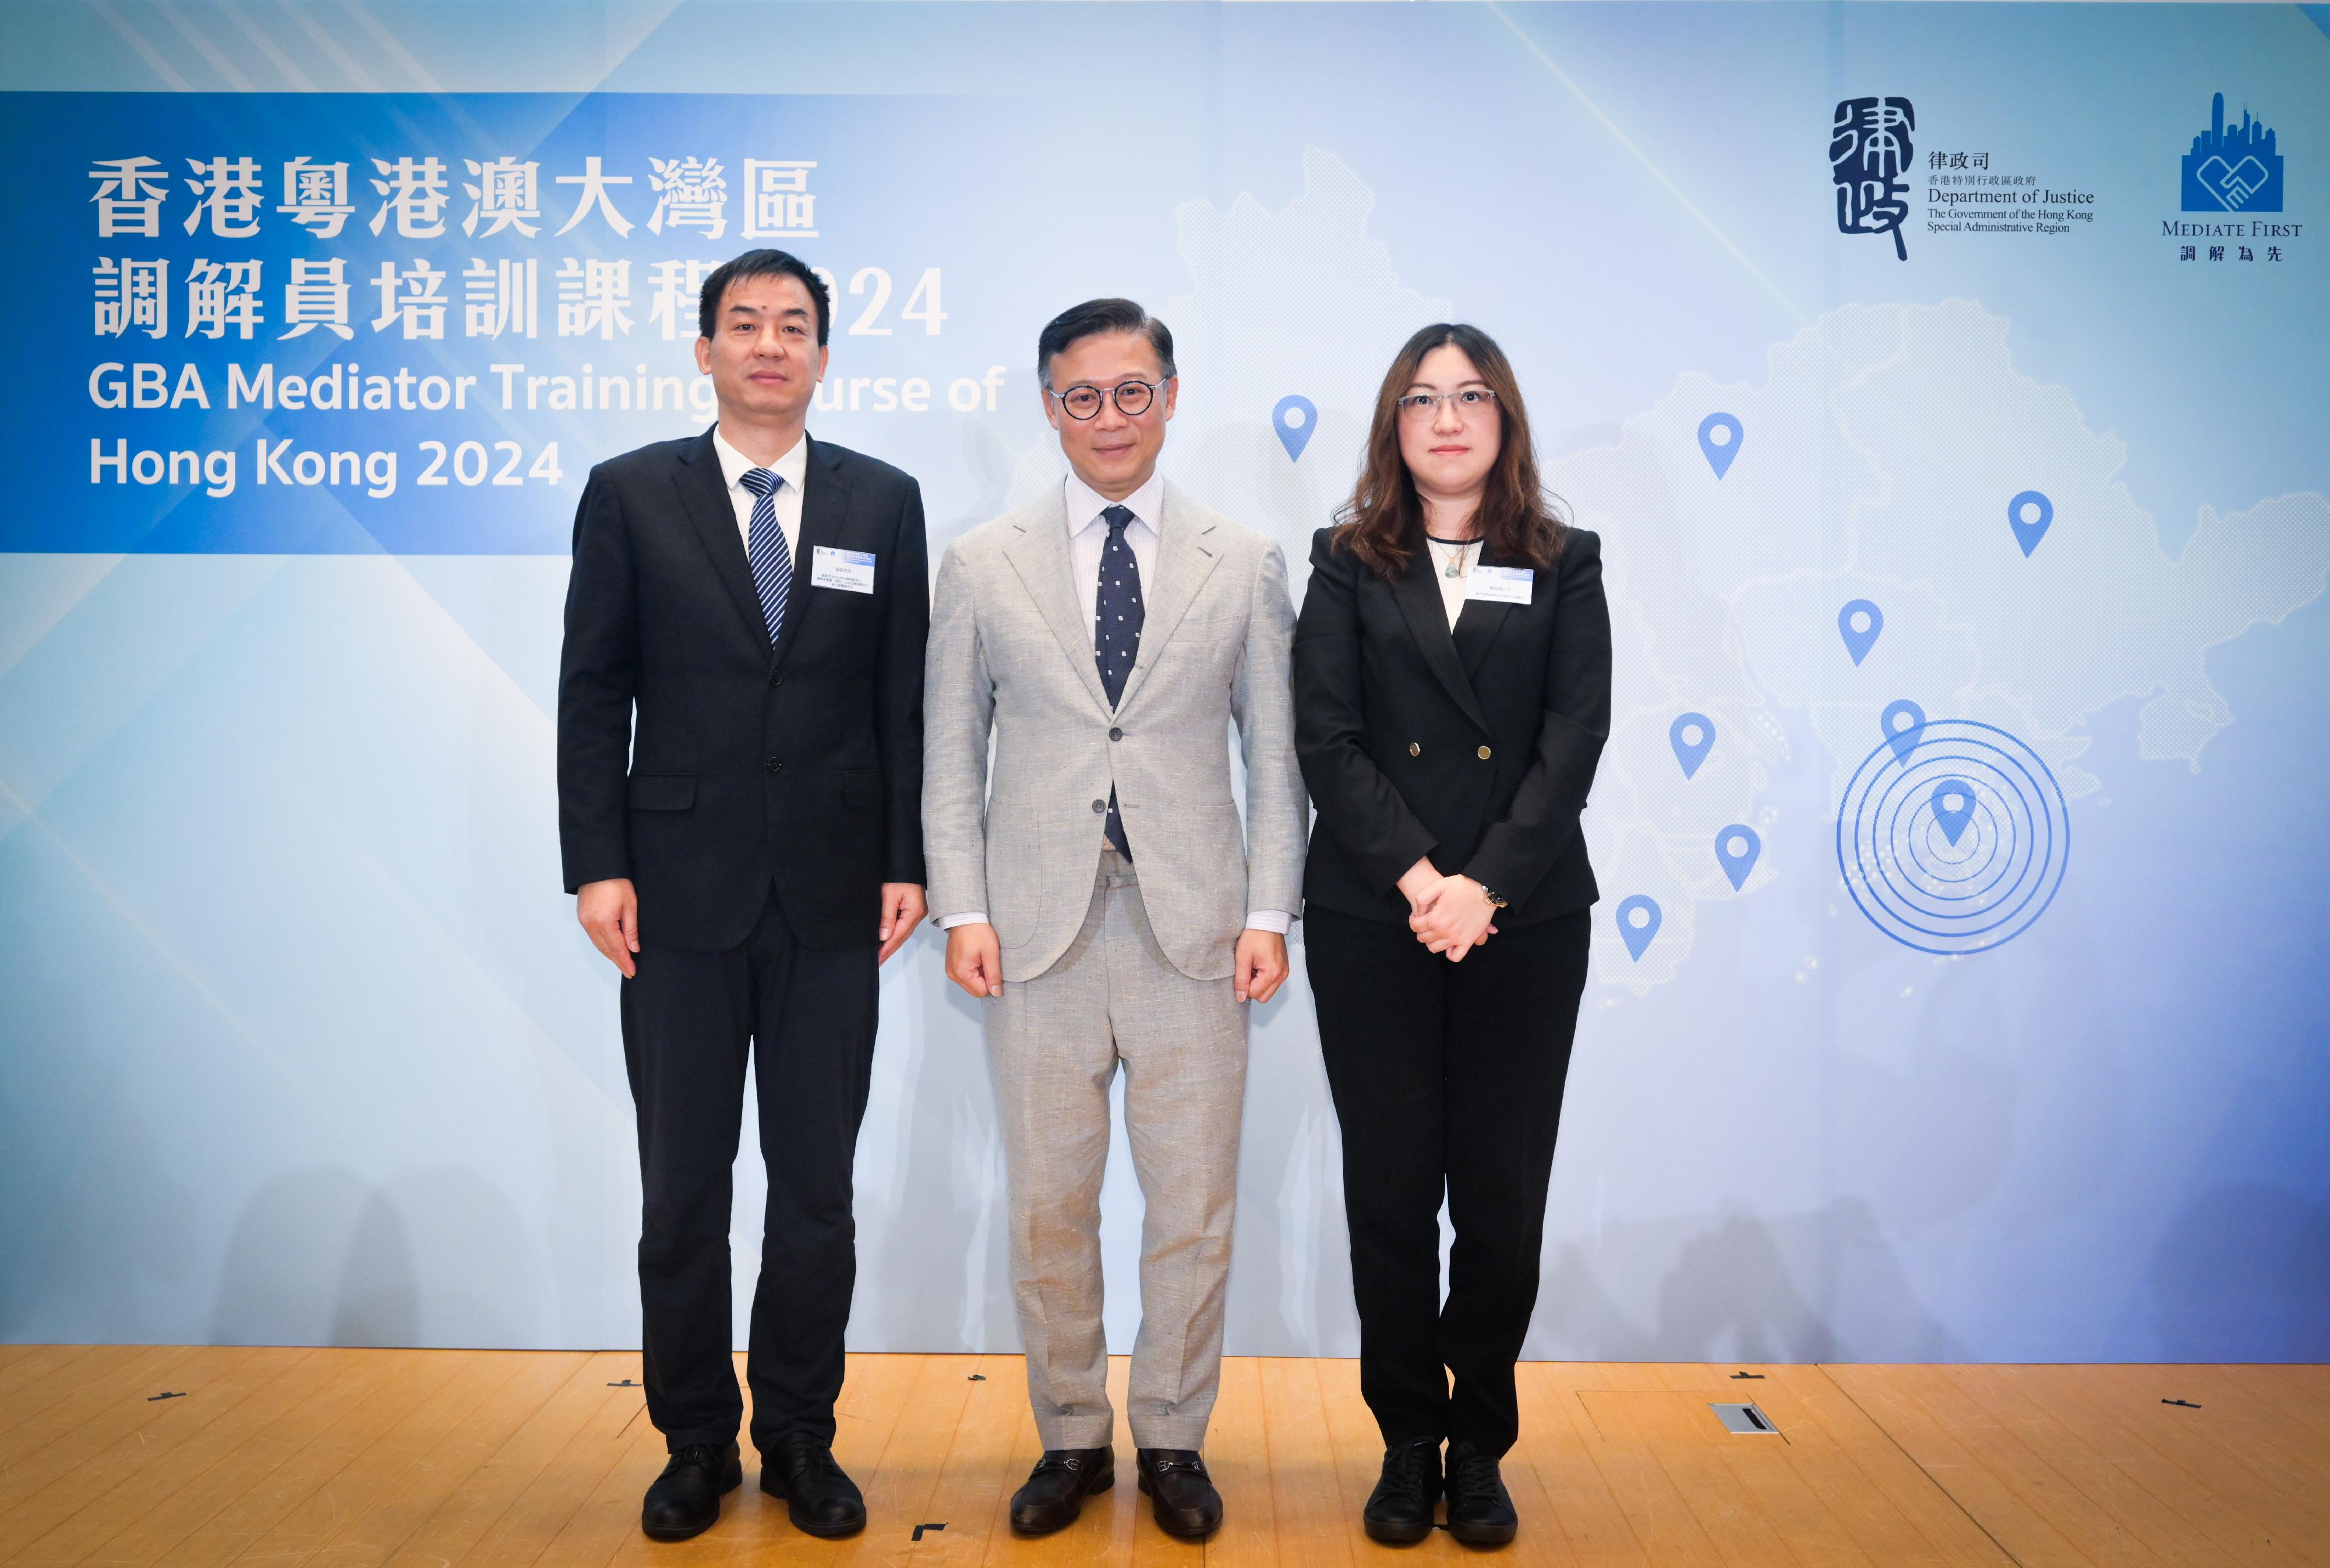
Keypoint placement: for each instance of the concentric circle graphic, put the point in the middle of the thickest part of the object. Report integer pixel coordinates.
(1953, 838)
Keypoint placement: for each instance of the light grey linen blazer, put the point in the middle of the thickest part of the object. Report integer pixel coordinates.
(1010, 656)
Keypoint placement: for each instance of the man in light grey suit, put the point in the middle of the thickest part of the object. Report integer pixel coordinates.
(1100, 894)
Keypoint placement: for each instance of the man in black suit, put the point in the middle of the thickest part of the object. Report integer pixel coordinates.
(740, 763)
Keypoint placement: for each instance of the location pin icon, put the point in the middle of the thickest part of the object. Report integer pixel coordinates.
(1719, 437)
(1953, 802)
(1691, 735)
(1294, 419)
(1736, 847)
(2029, 514)
(1858, 622)
(1638, 922)
(1903, 722)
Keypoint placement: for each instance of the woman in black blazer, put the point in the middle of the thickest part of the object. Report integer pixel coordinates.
(1452, 694)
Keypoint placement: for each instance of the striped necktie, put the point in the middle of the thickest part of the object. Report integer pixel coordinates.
(773, 563)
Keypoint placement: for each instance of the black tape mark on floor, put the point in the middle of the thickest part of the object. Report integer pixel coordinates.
(920, 1528)
(2180, 1404)
(1756, 1376)
(180, 1395)
(979, 1377)
(627, 1383)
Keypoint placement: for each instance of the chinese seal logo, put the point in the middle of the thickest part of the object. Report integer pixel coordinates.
(1869, 152)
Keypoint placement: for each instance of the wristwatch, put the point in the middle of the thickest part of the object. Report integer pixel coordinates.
(1491, 897)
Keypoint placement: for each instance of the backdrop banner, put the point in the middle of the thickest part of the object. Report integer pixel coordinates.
(1946, 383)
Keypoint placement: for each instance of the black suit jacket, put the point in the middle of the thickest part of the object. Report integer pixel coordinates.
(799, 764)
(1475, 749)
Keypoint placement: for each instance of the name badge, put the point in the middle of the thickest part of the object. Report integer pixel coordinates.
(1500, 585)
(853, 570)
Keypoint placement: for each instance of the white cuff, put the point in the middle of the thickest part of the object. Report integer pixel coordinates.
(977, 917)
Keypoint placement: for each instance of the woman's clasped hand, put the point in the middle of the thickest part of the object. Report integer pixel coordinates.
(1448, 914)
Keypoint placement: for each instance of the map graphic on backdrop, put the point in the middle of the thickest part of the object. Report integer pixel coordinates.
(1961, 578)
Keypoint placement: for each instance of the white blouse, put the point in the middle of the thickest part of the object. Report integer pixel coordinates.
(1453, 561)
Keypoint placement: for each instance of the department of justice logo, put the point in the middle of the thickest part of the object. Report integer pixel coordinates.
(1869, 156)
(2232, 169)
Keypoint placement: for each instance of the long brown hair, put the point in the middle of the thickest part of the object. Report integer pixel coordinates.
(1383, 522)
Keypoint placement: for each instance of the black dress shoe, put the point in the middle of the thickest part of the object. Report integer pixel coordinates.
(1399, 1510)
(1181, 1493)
(820, 1496)
(1057, 1486)
(1480, 1509)
(684, 1500)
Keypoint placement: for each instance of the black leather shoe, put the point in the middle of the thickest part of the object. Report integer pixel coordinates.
(1399, 1510)
(1057, 1486)
(1181, 1493)
(820, 1496)
(684, 1500)
(1480, 1509)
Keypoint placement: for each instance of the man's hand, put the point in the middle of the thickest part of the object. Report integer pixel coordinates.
(1456, 919)
(902, 909)
(1260, 967)
(609, 911)
(975, 960)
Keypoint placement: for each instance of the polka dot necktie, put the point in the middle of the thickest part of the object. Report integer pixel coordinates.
(1116, 632)
(773, 563)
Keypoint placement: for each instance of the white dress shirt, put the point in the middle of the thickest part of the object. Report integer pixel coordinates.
(1087, 538)
(793, 469)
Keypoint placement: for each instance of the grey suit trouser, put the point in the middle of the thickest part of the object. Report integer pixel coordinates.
(1054, 1043)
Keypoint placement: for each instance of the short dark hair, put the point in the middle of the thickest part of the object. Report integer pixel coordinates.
(1092, 318)
(762, 264)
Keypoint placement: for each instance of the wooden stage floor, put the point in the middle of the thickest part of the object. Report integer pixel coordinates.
(349, 1458)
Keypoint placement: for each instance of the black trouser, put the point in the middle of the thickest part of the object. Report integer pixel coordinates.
(1447, 1078)
(689, 1020)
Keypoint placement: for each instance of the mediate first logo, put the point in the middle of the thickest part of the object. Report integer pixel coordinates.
(2233, 168)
